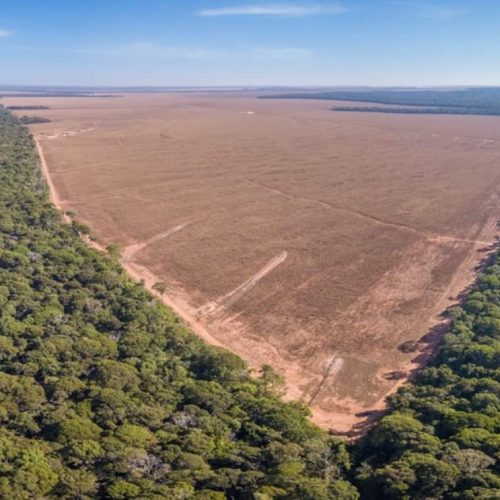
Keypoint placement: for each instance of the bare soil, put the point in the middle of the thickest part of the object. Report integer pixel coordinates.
(314, 241)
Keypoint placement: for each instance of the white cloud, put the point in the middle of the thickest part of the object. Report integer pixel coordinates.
(432, 11)
(279, 10)
(147, 49)
(441, 13)
(280, 53)
(5, 33)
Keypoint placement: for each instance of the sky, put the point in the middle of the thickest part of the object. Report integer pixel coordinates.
(234, 43)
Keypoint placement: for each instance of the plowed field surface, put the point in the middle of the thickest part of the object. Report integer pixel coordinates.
(313, 241)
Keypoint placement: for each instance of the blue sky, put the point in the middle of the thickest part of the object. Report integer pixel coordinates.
(233, 42)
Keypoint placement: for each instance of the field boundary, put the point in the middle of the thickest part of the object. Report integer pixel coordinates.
(136, 271)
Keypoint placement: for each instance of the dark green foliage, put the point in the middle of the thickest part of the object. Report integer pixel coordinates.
(31, 107)
(28, 120)
(103, 394)
(419, 110)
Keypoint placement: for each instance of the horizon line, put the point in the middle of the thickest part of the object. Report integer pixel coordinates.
(243, 86)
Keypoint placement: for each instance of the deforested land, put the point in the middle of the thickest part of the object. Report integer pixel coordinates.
(326, 245)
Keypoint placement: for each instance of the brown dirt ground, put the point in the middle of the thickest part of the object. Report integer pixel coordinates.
(314, 241)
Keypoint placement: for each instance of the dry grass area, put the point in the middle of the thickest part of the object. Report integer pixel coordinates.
(314, 241)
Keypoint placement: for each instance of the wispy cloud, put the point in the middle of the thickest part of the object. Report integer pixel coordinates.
(277, 10)
(5, 33)
(148, 49)
(145, 49)
(433, 11)
(441, 13)
(280, 53)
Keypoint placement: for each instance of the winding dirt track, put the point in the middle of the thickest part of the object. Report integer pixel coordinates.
(53, 194)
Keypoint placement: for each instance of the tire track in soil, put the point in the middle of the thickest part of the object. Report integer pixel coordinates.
(218, 305)
(333, 368)
(432, 237)
(130, 251)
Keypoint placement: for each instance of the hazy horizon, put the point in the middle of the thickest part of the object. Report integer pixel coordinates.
(227, 88)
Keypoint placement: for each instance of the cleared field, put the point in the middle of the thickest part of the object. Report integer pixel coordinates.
(314, 241)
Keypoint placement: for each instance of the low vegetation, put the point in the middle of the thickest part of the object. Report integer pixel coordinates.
(103, 394)
(30, 107)
(29, 120)
(415, 110)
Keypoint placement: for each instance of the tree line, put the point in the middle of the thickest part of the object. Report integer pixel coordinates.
(28, 107)
(417, 110)
(29, 120)
(472, 101)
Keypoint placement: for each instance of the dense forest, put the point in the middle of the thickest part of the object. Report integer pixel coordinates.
(472, 101)
(415, 110)
(105, 394)
(30, 107)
